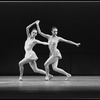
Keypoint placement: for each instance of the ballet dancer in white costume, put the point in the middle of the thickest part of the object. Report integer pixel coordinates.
(30, 55)
(55, 54)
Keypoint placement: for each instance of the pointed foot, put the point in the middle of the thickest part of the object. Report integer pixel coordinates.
(47, 78)
(68, 76)
(20, 79)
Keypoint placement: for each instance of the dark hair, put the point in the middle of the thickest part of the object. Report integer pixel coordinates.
(53, 28)
(34, 29)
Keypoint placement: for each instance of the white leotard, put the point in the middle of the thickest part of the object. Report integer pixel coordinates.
(29, 44)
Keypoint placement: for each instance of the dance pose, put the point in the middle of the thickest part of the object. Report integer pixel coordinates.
(30, 56)
(55, 54)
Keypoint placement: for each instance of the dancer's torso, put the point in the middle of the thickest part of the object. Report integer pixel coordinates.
(29, 44)
(53, 42)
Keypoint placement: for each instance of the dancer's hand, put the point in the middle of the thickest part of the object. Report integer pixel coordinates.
(37, 22)
(78, 44)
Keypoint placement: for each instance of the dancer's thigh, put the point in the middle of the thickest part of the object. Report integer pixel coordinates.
(51, 60)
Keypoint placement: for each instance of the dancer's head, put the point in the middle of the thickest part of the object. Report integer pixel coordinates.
(34, 33)
(54, 30)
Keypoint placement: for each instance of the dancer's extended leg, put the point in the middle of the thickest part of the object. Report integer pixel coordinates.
(21, 67)
(55, 68)
(33, 65)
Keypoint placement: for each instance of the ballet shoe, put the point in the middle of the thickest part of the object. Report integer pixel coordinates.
(20, 79)
(47, 78)
(50, 77)
(68, 76)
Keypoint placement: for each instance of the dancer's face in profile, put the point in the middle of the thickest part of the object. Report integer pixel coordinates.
(33, 33)
(54, 31)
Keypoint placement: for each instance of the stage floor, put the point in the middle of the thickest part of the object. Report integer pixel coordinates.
(37, 87)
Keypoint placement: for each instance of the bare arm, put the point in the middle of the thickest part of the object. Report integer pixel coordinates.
(39, 30)
(27, 32)
(27, 28)
(40, 42)
(68, 41)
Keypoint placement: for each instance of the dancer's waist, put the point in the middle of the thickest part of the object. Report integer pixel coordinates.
(52, 51)
(29, 50)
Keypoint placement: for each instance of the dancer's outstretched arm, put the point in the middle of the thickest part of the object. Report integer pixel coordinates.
(39, 30)
(27, 28)
(68, 41)
(40, 42)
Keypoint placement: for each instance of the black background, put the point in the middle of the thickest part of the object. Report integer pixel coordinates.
(76, 21)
